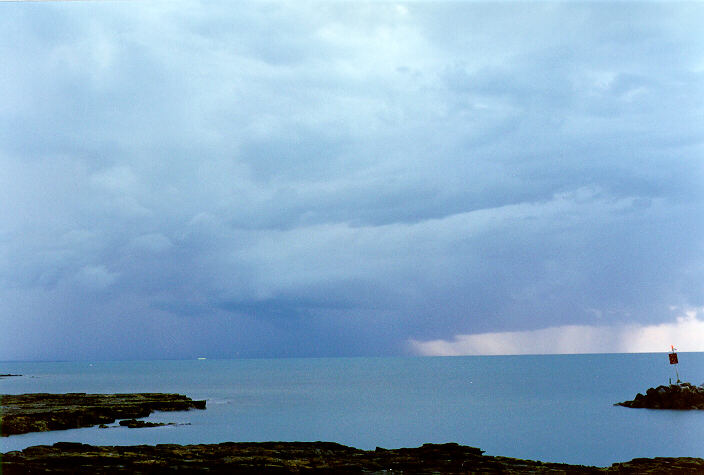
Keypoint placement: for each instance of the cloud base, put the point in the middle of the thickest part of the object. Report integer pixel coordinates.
(686, 332)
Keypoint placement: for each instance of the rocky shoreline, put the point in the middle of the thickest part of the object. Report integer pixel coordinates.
(301, 457)
(40, 412)
(675, 396)
(24, 413)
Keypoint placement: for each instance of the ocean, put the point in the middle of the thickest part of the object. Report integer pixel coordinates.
(554, 408)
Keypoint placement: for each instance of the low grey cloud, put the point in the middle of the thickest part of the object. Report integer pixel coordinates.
(192, 178)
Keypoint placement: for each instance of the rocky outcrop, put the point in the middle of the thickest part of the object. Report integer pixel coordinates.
(22, 413)
(135, 424)
(674, 396)
(658, 465)
(301, 457)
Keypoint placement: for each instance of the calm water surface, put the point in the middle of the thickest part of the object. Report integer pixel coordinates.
(549, 408)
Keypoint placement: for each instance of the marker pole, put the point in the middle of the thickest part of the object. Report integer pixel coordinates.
(674, 361)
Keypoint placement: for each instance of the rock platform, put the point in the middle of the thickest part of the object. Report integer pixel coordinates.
(301, 457)
(674, 396)
(40, 412)
(43, 412)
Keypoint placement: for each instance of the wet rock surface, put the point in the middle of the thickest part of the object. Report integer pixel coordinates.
(135, 424)
(301, 457)
(674, 396)
(40, 412)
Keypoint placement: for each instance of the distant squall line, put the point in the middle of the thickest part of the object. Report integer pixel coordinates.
(685, 332)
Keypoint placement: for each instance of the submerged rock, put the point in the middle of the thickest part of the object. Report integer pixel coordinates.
(40, 412)
(135, 424)
(674, 396)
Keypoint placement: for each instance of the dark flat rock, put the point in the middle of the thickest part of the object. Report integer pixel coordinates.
(135, 424)
(674, 396)
(40, 412)
(301, 457)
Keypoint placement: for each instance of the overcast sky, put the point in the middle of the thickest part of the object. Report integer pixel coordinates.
(203, 178)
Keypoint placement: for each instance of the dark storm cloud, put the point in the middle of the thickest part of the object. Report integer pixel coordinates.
(274, 179)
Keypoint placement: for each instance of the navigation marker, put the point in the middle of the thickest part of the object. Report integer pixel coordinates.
(674, 361)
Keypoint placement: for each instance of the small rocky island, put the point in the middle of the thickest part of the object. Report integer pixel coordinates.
(675, 396)
(40, 412)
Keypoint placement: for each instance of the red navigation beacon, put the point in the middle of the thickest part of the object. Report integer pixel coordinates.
(673, 360)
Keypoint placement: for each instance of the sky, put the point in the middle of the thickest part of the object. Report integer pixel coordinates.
(183, 179)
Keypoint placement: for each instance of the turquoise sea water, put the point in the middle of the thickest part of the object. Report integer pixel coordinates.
(556, 408)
